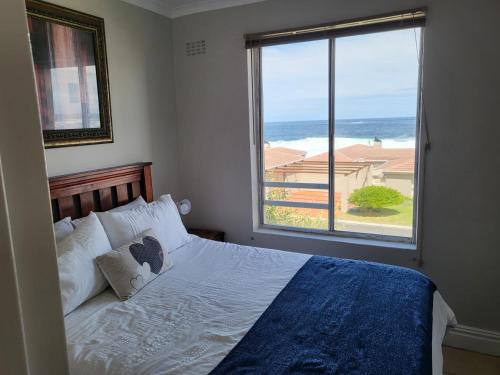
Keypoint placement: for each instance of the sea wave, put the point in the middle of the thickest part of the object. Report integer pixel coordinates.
(383, 128)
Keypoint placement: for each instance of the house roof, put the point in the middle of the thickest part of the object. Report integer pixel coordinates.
(400, 166)
(396, 160)
(375, 153)
(280, 156)
(339, 157)
(348, 159)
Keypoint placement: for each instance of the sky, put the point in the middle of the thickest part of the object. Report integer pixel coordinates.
(376, 75)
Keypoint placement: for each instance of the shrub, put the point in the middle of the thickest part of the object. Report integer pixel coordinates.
(293, 217)
(375, 197)
(288, 216)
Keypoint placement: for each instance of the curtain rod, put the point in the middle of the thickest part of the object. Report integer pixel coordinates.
(403, 19)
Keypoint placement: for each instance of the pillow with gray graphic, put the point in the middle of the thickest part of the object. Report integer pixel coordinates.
(130, 267)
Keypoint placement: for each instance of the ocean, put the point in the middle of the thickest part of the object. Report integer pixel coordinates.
(312, 136)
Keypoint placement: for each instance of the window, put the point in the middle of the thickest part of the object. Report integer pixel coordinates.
(338, 129)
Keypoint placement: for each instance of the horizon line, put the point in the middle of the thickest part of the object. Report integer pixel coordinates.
(350, 118)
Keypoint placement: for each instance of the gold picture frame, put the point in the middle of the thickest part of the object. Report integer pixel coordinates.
(71, 74)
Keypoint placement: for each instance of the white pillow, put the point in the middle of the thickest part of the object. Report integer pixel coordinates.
(161, 216)
(79, 276)
(138, 202)
(130, 267)
(172, 225)
(62, 228)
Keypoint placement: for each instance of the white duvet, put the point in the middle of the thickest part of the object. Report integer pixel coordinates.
(188, 319)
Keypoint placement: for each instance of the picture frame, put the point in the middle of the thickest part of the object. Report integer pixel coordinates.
(71, 74)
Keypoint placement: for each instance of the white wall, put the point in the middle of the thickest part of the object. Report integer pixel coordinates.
(31, 319)
(461, 79)
(142, 99)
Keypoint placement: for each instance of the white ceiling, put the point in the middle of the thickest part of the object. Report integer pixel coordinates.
(178, 8)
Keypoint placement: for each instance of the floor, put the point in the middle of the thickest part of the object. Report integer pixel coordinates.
(462, 362)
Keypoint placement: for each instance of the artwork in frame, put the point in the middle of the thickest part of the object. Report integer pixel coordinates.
(71, 74)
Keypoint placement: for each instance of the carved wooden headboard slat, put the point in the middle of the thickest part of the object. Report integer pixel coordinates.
(77, 194)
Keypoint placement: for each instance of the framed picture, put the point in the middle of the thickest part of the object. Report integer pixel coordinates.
(71, 73)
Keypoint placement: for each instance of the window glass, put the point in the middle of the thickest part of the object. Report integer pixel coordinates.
(360, 171)
(376, 88)
(295, 134)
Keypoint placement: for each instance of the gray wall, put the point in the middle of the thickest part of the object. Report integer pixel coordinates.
(31, 319)
(461, 79)
(139, 46)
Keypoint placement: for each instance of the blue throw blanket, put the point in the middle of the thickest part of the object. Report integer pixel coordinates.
(341, 317)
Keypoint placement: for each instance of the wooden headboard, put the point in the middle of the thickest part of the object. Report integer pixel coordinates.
(77, 194)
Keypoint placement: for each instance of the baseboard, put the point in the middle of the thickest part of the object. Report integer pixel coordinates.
(474, 339)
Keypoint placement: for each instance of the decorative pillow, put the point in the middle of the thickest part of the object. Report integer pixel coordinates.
(161, 216)
(130, 267)
(138, 202)
(79, 276)
(62, 228)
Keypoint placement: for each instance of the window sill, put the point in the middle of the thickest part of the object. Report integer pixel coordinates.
(338, 239)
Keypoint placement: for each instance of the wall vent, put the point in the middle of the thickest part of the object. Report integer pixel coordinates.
(198, 47)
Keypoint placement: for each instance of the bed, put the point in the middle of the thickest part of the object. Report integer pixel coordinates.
(220, 308)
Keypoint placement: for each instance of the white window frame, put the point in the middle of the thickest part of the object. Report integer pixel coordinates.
(255, 64)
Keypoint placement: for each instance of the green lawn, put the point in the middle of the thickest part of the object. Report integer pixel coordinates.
(401, 214)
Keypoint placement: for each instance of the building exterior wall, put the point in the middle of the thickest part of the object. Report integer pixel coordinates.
(344, 184)
(402, 182)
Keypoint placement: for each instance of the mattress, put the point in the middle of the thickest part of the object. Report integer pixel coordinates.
(188, 319)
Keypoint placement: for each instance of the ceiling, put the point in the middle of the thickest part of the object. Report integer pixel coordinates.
(178, 8)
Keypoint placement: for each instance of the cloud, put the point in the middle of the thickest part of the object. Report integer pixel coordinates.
(376, 75)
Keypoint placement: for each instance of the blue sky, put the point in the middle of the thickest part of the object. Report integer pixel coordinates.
(376, 76)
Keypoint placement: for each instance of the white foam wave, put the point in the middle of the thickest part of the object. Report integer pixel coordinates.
(315, 146)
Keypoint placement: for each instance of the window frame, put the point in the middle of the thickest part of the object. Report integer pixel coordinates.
(255, 64)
